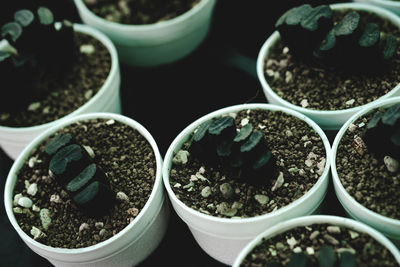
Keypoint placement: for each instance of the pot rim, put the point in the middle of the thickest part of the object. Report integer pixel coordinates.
(141, 27)
(318, 219)
(335, 175)
(274, 37)
(10, 182)
(192, 126)
(114, 72)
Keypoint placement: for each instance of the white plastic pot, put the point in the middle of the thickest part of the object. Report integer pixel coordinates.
(388, 226)
(155, 44)
(107, 99)
(393, 6)
(326, 119)
(318, 219)
(223, 238)
(128, 247)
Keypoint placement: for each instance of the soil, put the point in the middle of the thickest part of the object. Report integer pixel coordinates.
(127, 159)
(138, 12)
(321, 88)
(365, 176)
(300, 157)
(76, 87)
(310, 239)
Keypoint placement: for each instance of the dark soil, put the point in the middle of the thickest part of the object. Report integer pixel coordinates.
(300, 157)
(321, 88)
(127, 159)
(75, 88)
(138, 12)
(365, 176)
(311, 238)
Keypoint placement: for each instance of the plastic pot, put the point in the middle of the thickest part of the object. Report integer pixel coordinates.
(128, 247)
(107, 99)
(326, 119)
(393, 6)
(318, 219)
(155, 44)
(223, 238)
(388, 226)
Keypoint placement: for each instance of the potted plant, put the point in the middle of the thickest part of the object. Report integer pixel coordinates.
(369, 194)
(54, 70)
(330, 61)
(319, 240)
(150, 33)
(241, 169)
(88, 192)
(391, 5)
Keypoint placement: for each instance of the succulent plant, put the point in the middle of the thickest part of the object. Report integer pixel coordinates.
(75, 171)
(34, 48)
(217, 141)
(312, 36)
(326, 258)
(382, 134)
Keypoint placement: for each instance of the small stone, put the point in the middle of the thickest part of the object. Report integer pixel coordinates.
(16, 199)
(288, 77)
(35, 208)
(122, 196)
(288, 133)
(280, 246)
(18, 210)
(270, 72)
(350, 102)
(32, 161)
(321, 166)
(297, 250)
(27, 184)
(45, 218)
(353, 235)
(224, 209)
(55, 198)
(333, 229)
(202, 170)
(226, 190)
(352, 127)
(133, 211)
(25, 202)
(206, 192)
(359, 145)
(87, 49)
(102, 232)
(304, 103)
(37, 233)
(32, 189)
(88, 94)
(351, 250)
(90, 151)
(189, 185)
(83, 226)
(285, 50)
(262, 199)
(310, 250)
(279, 182)
(309, 162)
(99, 225)
(244, 121)
(237, 205)
(294, 169)
(392, 164)
(110, 122)
(314, 235)
(291, 242)
(181, 157)
(273, 251)
(333, 241)
(177, 185)
(34, 106)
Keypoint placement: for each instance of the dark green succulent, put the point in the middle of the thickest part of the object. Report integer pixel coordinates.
(312, 36)
(75, 171)
(34, 48)
(217, 141)
(326, 258)
(382, 134)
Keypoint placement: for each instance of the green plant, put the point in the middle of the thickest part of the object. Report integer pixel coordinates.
(312, 36)
(326, 258)
(382, 134)
(73, 168)
(217, 141)
(34, 48)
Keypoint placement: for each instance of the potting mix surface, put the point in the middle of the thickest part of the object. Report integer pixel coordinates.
(129, 162)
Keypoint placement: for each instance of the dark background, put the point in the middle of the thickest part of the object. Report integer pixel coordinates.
(220, 73)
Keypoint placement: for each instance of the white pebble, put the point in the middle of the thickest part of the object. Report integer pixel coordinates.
(32, 189)
(25, 202)
(122, 196)
(16, 198)
(83, 226)
(36, 233)
(87, 49)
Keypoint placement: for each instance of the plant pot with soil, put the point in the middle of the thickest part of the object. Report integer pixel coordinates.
(53, 71)
(150, 33)
(330, 61)
(364, 167)
(392, 5)
(88, 192)
(319, 240)
(239, 170)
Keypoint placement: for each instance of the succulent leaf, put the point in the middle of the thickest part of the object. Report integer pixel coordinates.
(63, 157)
(88, 194)
(11, 31)
(327, 257)
(390, 44)
(348, 24)
(218, 126)
(244, 132)
(273, 264)
(60, 140)
(82, 179)
(24, 17)
(224, 149)
(391, 115)
(202, 130)
(347, 259)
(264, 160)
(45, 15)
(298, 260)
(370, 36)
(318, 17)
(254, 139)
